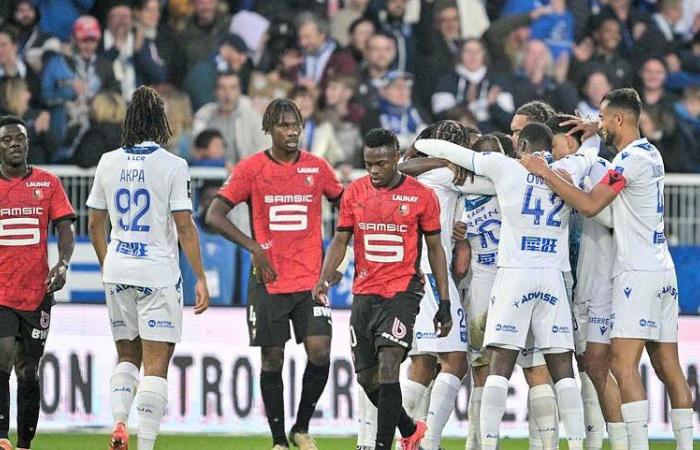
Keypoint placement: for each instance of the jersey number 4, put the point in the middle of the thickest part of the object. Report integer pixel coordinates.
(534, 208)
(30, 234)
(140, 201)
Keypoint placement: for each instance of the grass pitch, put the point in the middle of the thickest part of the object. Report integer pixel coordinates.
(78, 441)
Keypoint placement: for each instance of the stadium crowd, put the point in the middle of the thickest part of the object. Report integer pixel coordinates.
(68, 66)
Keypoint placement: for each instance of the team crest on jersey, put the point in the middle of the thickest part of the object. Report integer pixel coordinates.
(404, 209)
(44, 320)
(38, 194)
(309, 180)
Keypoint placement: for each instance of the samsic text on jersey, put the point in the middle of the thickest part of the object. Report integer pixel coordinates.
(388, 225)
(285, 208)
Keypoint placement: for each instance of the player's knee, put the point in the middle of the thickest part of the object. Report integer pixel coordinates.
(597, 368)
(320, 356)
(272, 359)
(27, 370)
(389, 363)
(368, 380)
(622, 369)
(455, 364)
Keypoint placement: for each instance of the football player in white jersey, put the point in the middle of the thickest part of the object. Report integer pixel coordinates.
(592, 299)
(451, 350)
(528, 301)
(142, 190)
(645, 294)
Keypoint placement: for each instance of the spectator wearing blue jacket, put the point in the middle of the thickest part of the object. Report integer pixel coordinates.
(556, 29)
(58, 16)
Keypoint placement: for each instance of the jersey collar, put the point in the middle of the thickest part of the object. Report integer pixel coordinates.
(403, 178)
(142, 148)
(269, 155)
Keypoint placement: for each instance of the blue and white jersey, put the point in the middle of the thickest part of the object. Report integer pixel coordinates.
(638, 211)
(483, 219)
(141, 187)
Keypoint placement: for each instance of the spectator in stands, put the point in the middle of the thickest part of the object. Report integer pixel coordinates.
(659, 37)
(360, 32)
(231, 57)
(233, 115)
(392, 20)
(688, 113)
(57, 17)
(15, 99)
(11, 63)
(346, 117)
(209, 149)
(556, 29)
(202, 33)
(153, 45)
(594, 88)
(70, 82)
(532, 80)
(118, 46)
(30, 38)
(344, 18)
(471, 84)
(473, 20)
(317, 136)
(178, 110)
(602, 52)
(320, 55)
(396, 111)
(381, 51)
(107, 113)
(633, 22)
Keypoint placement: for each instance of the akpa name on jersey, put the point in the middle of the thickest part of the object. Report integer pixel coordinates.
(299, 198)
(391, 227)
(25, 211)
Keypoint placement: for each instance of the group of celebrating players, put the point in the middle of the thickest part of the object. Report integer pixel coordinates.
(455, 209)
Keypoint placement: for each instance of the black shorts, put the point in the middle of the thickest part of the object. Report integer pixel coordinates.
(378, 322)
(269, 316)
(30, 328)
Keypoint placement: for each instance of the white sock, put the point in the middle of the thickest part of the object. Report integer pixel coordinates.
(592, 414)
(361, 413)
(543, 413)
(682, 422)
(411, 395)
(571, 411)
(636, 416)
(151, 402)
(370, 423)
(123, 385)
(442, 402)
(617, 434)
(535, 442)
(473, 441)
(422, 411)
(493, 406)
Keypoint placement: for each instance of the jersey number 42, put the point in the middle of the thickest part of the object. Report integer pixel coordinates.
(534, 208)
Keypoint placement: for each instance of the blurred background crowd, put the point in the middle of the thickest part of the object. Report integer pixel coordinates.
(68, 66)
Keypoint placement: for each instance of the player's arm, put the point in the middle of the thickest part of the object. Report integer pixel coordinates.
(335, 255)
(56, 278)
(438, 265)
(462, 256)
(188, 236)
(97, 229)
(216, 218)
(587, 203)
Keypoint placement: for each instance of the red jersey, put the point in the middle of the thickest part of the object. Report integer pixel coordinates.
(285, 209)
(388, 225)
(27, 205)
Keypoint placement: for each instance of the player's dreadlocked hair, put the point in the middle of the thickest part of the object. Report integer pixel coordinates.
(275, 110)
(452, 131)
(146, 119)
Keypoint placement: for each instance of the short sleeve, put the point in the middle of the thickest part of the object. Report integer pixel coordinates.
(628, 165)
(60, 208)
(429, 220)
(238, 187)
(97, 199)
(332, 188)
(180, 188)
(346, 217)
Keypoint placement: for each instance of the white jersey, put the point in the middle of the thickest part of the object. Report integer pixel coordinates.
(440, 181)
(483, 219)
(638, 211)
(141, 187)
(597, 248)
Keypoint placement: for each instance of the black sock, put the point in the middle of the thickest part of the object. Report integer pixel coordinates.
(388, 413)
(373, 397)
(4, 404)
(28, 398)
(272, 391)
(313, 384)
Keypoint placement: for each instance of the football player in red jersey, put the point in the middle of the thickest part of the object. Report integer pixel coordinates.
(30, 199)
(283, 187)
(388, 213)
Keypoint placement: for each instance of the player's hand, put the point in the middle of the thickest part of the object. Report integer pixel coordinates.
(56, 278)
(534, 164)
(320, 292)
(459, 231)
(589, 126)
(262, 269)
(201, 293)
(443, 319)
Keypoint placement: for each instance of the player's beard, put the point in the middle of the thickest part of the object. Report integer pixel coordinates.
(608, 137)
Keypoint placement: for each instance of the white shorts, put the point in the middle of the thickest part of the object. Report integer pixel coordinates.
(477, 306)
(645, 306)
(154, 314)
(529, 302)
(592, 312)
(424, 340)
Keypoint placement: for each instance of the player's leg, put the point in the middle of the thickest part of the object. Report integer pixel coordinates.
(479, 374)
(9, 330)
(493, 401)
(624, 364)
(597, 365)
(124, 381)
(592, 413)
(152, 397)
(559, 362)
(367, 421)
(420, 373)
(477, 306)
(543, 417)
(453, 367)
